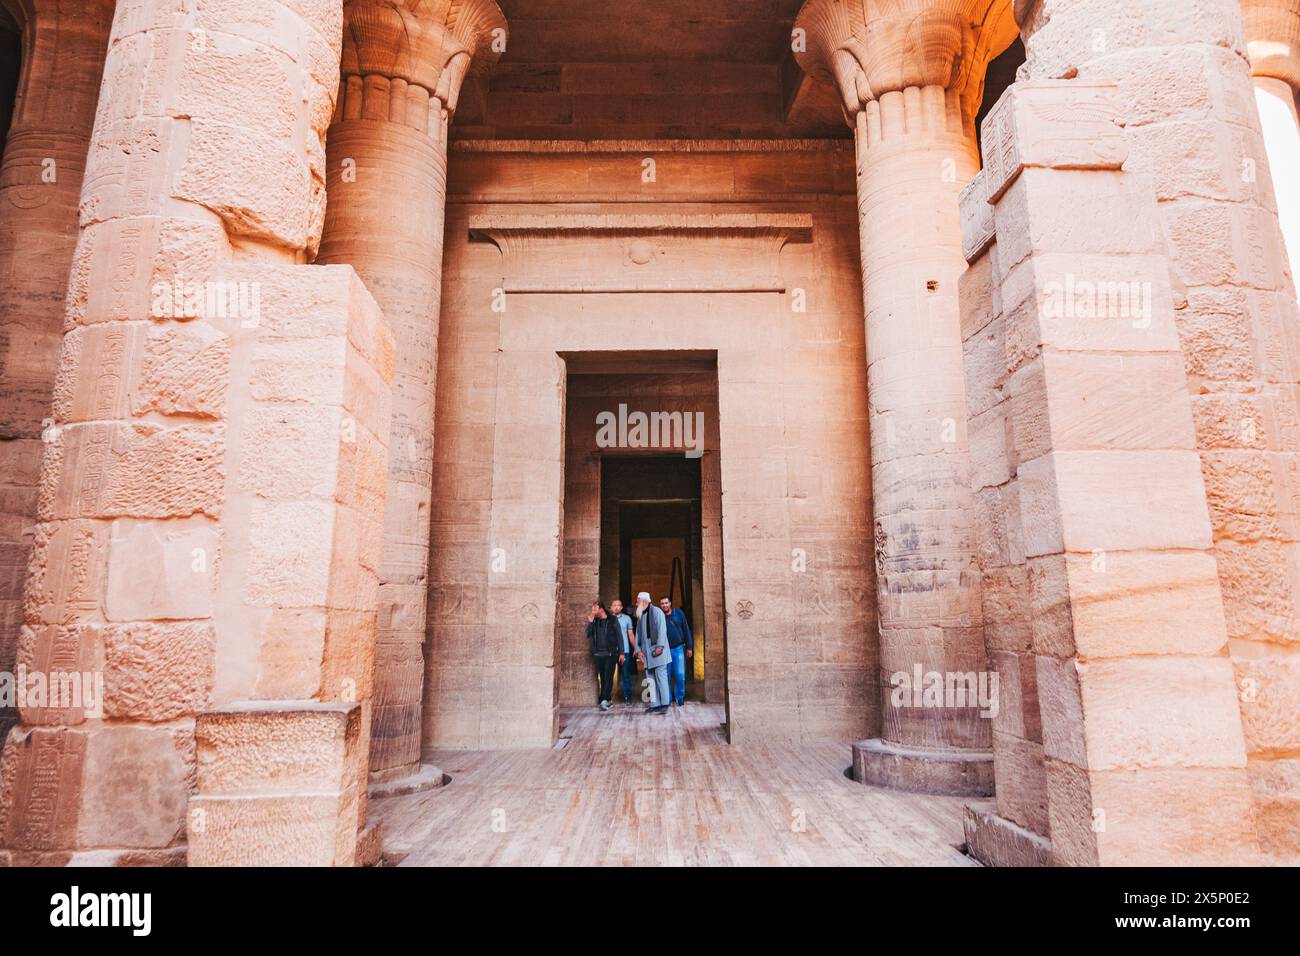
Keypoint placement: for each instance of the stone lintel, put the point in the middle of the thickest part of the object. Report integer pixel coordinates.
(795, 227)
(642, 252)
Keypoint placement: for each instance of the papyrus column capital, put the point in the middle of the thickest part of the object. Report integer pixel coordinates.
(869, 48)
(1273, 39)
(433, 44)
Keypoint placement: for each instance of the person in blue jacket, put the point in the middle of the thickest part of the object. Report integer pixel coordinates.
(682, 645)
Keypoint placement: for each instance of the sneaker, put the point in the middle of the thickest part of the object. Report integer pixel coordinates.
(604, 705)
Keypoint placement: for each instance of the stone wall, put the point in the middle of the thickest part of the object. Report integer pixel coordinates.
(711, 247)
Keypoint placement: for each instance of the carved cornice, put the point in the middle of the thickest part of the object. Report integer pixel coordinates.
(1273, 39)
(432, 44)
(641, 252)
(649, 147)
(868, 48)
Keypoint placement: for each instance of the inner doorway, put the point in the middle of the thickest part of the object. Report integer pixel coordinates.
(651, 534)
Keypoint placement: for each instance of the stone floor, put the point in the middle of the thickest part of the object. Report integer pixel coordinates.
(623, 788)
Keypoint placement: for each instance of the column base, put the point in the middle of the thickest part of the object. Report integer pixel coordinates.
(370, 845)
(996, 841)
(404, 780)
(957, 773)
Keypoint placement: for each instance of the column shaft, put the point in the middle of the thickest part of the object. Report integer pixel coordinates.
(915, 154)
(403, 65)
(211, 490)
(387, 222)
(910, 74)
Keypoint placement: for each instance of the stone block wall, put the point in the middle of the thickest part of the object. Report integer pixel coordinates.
(1094, 529)
(1189, 115)
(625, 246)
(213, 480)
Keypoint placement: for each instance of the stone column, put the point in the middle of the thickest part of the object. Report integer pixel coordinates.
(911, 78)
(403, 66)
(1273, 44)
(40, 181)
(1190, 117)
(211, 492)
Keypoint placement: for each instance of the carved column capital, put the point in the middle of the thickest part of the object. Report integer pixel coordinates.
(1273, 39)
(868, 48)
(432, 44)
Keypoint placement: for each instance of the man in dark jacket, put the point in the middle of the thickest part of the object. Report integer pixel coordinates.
(682, 644)
(605, 634)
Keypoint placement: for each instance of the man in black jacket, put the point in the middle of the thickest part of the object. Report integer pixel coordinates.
(605, 635)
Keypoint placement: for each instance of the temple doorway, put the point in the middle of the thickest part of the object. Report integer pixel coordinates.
(642, 512)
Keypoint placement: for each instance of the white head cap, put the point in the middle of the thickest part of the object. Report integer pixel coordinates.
(644, 596)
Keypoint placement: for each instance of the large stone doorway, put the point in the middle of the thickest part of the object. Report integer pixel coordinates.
(640, 517)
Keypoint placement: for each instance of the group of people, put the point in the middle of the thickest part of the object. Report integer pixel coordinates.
(659, 640)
